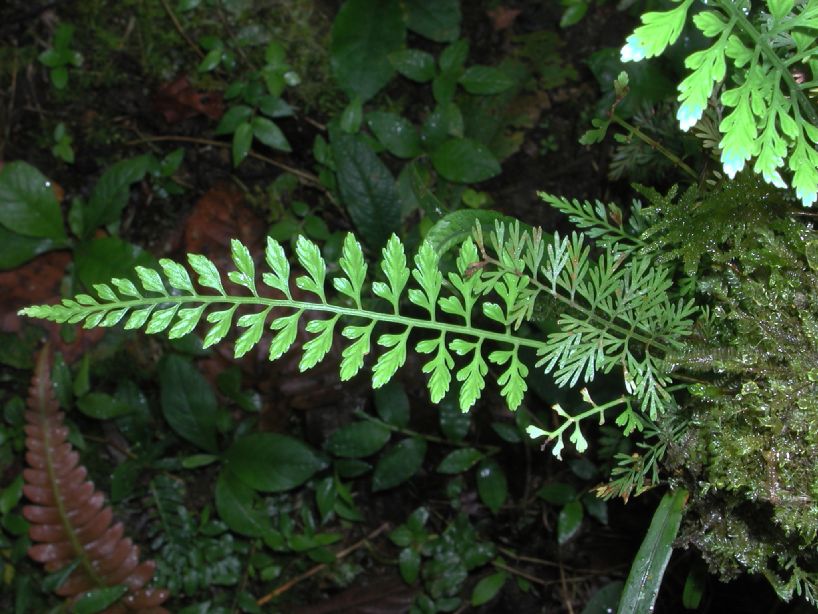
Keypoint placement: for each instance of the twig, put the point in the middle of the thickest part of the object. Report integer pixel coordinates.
(520, 572)
(311, 572)
(303, 175)
(564, 590)
(181, 30)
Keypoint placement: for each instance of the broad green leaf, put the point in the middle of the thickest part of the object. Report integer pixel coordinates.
(414, 64)
(445, 121)
(17, 249)
(242, 141)
(28, 205)
(487, 588)
(110, 194)
(102, 406)
(465, 161)
(269, 462)
(98, 599)
(364, 33)
(10, 496)
(604, 600)
(395, 133)
(438, 20)
(459, 460)
(352, 116)
(569, 521)
(234, 502)
(557, 493)
(368, 190)
(486, 80)
(392, 404)
(398, 464)
(648, 569)
(232, 118)
(188, 403)
(454, 56)
(266, 131)
(409, 564)
(454, 423)
(358, 440)
(695, 585)
(455, 227)
(491, 484)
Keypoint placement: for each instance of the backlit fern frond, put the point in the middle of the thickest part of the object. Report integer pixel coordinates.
(617, 311)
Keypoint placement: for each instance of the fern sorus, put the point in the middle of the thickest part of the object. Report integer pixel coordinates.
(617, 311)
(769, 48)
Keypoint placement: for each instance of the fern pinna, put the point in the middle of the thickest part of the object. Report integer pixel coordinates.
(616, 311)
(70, 525)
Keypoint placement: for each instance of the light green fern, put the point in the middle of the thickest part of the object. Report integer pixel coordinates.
(770, 49)
(617, 312)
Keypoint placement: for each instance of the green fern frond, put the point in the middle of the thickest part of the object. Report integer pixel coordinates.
(618, 311)
(769, 116)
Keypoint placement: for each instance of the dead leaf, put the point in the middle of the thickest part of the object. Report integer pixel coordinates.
(502, 17)
(178, 101)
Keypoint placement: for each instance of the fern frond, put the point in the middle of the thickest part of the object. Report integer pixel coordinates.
(768, 115)
(617, 311)
(71, 528)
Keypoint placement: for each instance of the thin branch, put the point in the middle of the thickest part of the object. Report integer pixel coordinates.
(318, 568)
(181, 30)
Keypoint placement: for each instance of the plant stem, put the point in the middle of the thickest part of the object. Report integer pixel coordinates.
(654, 144)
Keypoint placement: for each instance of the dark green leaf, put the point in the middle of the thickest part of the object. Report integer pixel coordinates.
(486, 80)
(271, 135)
(465, 161)
(409, 564)
(443, 122)
(102, 406)
(368, 190)
(98, 599)
(392, 404)
(694, 587)
(352, 116)
(270, 462)
(573, 13)
(438, 20)
(100, 260)
(232, 118)
(414, 64)
(507, 432)
(56, 578)
(399, 463)
(604, 601)
(110, 194)
(395, 133)
(16, 249)
(488, 588)
(452, 229)
(444, 86)
(453, 422)
(460, 460)
(491, 484)
(242, 140)
(645, 577)
(358, 440)
(351, 467)
(188, 403)
(454, 56)
(234, 502)
(363, 35)
(211, 60)
(569, 521)
(557, 493)
(11, 495)
(28, 205)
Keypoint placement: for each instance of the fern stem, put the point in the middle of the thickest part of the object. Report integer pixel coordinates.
(654, 144)
(589, 313)
(378, 316)
(761, 43)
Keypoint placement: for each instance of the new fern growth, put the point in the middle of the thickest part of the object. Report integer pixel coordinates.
(770, 48)
(617, 311)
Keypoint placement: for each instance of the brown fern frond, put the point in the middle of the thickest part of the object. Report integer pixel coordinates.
(69, 520)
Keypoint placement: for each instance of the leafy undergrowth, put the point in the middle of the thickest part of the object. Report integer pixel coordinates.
(255, 487)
